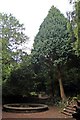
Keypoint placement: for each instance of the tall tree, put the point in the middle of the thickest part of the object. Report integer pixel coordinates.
(12, 39)
(51, 43)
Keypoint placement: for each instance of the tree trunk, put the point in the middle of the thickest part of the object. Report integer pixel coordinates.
(63, 97)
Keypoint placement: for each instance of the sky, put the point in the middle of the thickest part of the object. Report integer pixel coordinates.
(32, 13)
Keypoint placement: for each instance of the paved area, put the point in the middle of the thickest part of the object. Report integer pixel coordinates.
(53, 112)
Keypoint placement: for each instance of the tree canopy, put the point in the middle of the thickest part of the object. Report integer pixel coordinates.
(52, 38)
(12, 39)
(74, 26)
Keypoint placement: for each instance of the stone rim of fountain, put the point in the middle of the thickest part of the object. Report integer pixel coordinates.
(25, 107)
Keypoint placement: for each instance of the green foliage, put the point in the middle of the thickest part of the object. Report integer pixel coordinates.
(77, 28)
(30, 74)
(12, 38)
(71, 78)
(51, 42)
(21, 80)
(74, 21)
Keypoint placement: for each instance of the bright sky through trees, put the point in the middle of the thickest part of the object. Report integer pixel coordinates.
(32, 12)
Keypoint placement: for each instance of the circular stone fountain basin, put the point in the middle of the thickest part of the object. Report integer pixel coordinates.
(23, 107)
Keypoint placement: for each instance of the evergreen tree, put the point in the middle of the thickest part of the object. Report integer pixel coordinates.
(51, 43)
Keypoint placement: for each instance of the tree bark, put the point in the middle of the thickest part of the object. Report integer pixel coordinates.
(63, 96)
